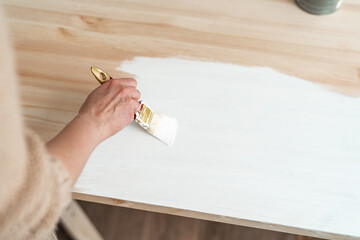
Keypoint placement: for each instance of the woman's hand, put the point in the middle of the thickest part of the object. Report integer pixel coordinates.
(111, 106)
(107, 110)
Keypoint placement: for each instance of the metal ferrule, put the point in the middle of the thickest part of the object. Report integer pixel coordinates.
(144, 116)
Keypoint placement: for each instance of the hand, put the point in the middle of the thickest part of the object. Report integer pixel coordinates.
(107, 110)
(111, 107)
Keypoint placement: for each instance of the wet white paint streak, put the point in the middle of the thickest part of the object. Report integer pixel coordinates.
(252, 143)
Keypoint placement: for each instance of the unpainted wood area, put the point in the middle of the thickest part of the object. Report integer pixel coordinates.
(118, 223)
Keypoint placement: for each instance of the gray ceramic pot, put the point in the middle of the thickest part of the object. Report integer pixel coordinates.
(319, 7)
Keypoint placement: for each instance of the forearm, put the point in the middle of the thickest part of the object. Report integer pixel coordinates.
(74, 144)
(107, 110)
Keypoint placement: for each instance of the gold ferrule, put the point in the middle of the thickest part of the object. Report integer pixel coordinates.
(145, 116)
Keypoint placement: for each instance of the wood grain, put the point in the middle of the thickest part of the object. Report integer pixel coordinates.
(57, 41)
(130, 224)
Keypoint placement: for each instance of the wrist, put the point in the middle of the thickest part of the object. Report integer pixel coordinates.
(87, 126)
(74, 144)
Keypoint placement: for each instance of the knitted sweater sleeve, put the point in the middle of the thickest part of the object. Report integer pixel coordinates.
(34, 187)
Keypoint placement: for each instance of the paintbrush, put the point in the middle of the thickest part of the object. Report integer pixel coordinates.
(160, 126)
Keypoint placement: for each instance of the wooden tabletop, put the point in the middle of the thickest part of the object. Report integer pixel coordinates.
(315, 194)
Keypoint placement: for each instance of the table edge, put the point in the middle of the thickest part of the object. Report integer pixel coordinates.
(210, 217)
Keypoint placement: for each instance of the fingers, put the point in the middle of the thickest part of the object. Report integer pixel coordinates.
(135, 106)
(136, 94)
(129, 92)
(132, 106)
(129, 82)
(123, 88)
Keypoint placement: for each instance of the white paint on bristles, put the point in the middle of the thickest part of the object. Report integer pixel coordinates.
(163, 128)
(252, 144)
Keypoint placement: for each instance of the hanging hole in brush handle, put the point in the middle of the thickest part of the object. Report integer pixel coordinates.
(100, 75)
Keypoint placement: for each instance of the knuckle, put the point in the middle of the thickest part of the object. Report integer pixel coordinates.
(136, 103)
(112, 82)
(133, 81)
(128, 81)
(124, 91)
(138, 94)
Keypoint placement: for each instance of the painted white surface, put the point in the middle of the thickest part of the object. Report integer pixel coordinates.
(252, 143)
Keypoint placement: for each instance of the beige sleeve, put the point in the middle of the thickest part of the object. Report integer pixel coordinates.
(34, 187)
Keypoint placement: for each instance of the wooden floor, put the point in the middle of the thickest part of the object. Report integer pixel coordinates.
(117, 223)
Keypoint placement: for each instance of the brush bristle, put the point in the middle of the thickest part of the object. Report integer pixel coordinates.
(163, 128)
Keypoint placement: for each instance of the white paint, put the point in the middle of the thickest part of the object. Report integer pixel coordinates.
(252, 143)
(338, 4)
(163, 128)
